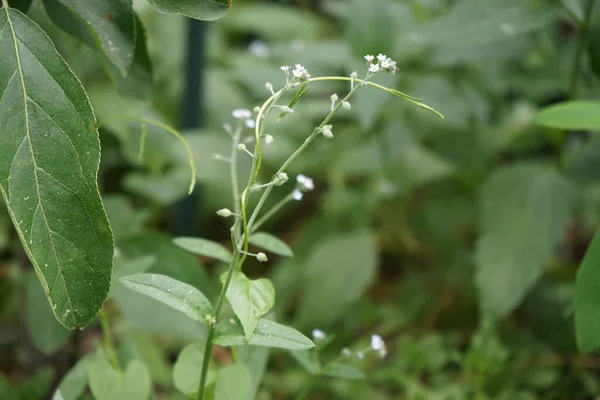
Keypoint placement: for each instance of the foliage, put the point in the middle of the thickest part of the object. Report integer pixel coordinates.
(458, 240)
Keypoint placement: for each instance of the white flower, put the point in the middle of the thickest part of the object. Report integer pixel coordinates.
(378, 345)
(381, 57)
(258, 49)
(285, 68)
(224, 212)
(280, 179)
(300, 72)
(306, 183)
(250, 123)
(262, 257)
(373, 67)
(334, 97)
(318, 335)
(369, 58)
(241, 113)
(346, 351)
(297, 195)
(268, 139)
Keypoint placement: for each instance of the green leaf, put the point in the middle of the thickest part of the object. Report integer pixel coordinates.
(233, 382)
(125, 267)
(250, 299)
(271, 243)
(48, 159)
(255, 358)
(74, 383)
(206, 10)
(186, 372)
(178, 295)
(46, 333)
(137, 83)
(344, 371)
(203, 247)
(307, 361)
(594, 48)
(106, 383)
(587, 299)
(21, 5)
(581, 115)
(267, 334)
(336, 275)
(525, 209)
(107, 26)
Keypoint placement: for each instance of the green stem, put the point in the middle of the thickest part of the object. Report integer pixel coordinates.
(108, 342)
(584, 28)
(5, 3)
(271, 212)
(234, 178)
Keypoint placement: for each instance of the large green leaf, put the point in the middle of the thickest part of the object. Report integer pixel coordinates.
(525, 209)
(250, 299)
(336, 274)
(237, 373)
(203, 247)
(74, 383)
(107, 383)
(106, 25)
(206, 10)
(48, 169)
(178, 295)
(267, 334)
(46, 333)
(587, 299)
(187, 369)
(255, 358)
(584, 115)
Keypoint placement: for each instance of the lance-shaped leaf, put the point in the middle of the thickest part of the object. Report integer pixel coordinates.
(271, 243)
(587, 299)
(267, 334)
(206, 10)
(49, 157)
(250, 299)
(178, 295)
(203, 247)
(107, 26)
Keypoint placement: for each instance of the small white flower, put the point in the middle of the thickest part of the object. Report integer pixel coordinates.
(285, 68)
(297, 195)
(241, 113)
(346, 352)
(280, 179)
(334, 97)
(381, 57)
(259, 49)
(346, 105)
(300, 72)
(250, 123)
(318, 335)
(374, 68)
(306, 183)
(224, 212)
(268, 139)
(360, 355)
(377, 342)
(369, 58)
(262, 257)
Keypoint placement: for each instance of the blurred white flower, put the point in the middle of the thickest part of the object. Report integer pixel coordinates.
(382, 57)
(297, 195)
(318, 335)
(241, 113)
(250, 123)
(369, 58)
(268, 139)
(374, 68)
(306, 183)
(259, 49)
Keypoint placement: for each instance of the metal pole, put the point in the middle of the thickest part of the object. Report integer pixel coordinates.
(185, 218)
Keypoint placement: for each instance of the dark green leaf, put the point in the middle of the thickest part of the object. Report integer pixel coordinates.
(137, 83)
(46, 333)
(344, 371)
(594, 48)
(108, 26)
(226, 389)
(106, 383)
(250, 299)
(271, 243)
(584, 115)
(206, 10)
(21, 5)
(178, 295)
(255, 358)
(186, 372)
(267, 334)
(203, 247)
(74, 383)
(48, 159)
(587, 299)
(525, 210)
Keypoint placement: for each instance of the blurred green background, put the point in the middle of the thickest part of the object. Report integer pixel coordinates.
(457, 240)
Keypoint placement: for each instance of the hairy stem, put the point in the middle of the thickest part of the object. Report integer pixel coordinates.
(233, 164)
(584, 28)
(271, 212)
(108, 342)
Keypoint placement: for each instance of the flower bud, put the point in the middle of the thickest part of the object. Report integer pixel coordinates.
(262, 257)
(224, 212)
(280, 179)
(346, 105)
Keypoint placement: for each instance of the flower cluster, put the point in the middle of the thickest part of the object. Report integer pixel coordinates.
(299, 72)
(305, 184)
(378, 345)
(383, 62)
(244, 115)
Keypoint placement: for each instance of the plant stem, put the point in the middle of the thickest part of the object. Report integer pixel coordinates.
(271, 212)
(233, 164)
(584, 28)
(108, 342)
(5, 3)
